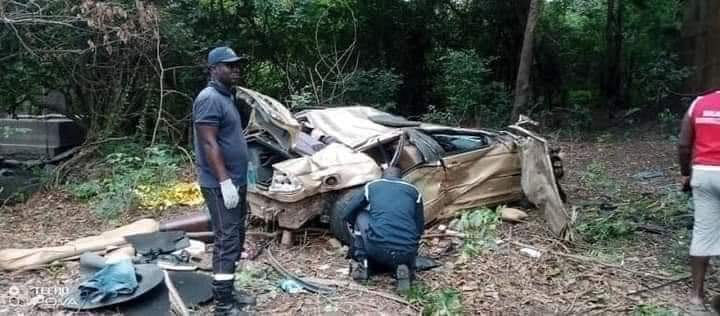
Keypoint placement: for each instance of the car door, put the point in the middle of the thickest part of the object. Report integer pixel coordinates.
(485, 176)
(429, 178)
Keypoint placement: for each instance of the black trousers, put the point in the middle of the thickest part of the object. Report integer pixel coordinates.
(228, 225)
(380, 258)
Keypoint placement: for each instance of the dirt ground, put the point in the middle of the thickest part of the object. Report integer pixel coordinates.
(567, 278)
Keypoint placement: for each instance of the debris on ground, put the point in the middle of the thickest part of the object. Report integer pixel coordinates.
(334, 243)
(646, 175)
(512, 214)
(532, 253)
(644, 274)
(291, 286)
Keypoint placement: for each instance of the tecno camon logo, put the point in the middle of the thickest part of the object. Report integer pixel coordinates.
(36, 296)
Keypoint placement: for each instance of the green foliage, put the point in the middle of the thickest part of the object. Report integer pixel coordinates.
(464, 82)
(303, 99)
(597, 177)
(125, 168)
(266, 78)
(606, 228)
(658, 76)
(374, 87)
(444, 302)
(669, 121)
(580, 107)
(617, 218)
(480, 228)
(448, 62)
(619, 210)
(674, 258)
(85, 191)
(652, 310)
(573, 49)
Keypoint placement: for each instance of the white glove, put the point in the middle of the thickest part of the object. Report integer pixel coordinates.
(229, 194)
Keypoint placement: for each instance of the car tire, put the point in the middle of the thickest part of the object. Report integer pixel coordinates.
(339, 210)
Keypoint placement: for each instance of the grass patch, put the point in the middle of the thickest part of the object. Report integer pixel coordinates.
(605, 228)
(618, 213)
(652, 310)
(121, 171)
(675, 258)
(442, 302)
(610, 252)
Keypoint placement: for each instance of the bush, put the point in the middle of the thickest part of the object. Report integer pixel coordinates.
(125, 168)
(266, 78)
(374, 87)
(658, 77)
(470, 96)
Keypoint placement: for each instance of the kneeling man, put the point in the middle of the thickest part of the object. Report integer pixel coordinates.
(387, 223)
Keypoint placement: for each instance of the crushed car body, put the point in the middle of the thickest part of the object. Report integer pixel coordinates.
(305, 166)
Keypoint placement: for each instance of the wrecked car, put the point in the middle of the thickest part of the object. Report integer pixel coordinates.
(305, 166)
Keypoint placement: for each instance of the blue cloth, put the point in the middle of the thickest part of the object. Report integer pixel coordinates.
(112, 280)
(215, 106)
(395, 209)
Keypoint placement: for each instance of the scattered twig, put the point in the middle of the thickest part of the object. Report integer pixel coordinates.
(653, 288)
(594, 261)
(356, 287)
(445, 234)
(305, 284)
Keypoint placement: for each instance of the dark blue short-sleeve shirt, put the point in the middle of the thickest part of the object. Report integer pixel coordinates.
(215, 106)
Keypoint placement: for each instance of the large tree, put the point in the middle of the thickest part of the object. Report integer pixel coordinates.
(522, 86)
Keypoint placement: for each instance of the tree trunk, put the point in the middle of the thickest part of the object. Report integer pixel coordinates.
(701, 44)
(612, 91)
(522, 84)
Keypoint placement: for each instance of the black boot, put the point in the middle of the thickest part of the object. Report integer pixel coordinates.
(245, 298)
(225, 303)
(359, 270)
(403, 277)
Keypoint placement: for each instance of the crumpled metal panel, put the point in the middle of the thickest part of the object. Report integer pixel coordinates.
(349, 125)
(429, 180)
(347, 167)
(482, 177)
(539, 183)
(270, 115)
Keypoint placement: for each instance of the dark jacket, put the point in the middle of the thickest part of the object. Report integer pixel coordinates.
(396, 213)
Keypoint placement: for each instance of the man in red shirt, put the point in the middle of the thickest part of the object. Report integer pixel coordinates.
(699, 157)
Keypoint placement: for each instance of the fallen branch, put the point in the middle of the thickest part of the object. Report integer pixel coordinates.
(446, 234)
(595, 261)
(314, 288)
(671, 282)
(356, 287)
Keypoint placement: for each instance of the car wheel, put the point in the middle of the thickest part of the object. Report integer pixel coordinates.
(339, 210)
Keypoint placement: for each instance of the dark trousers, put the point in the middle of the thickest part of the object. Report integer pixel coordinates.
(228, 225)
(380, 258)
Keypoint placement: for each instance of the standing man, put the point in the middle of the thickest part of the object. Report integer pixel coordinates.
(387, 222)
(699, 157)
(221, 153)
